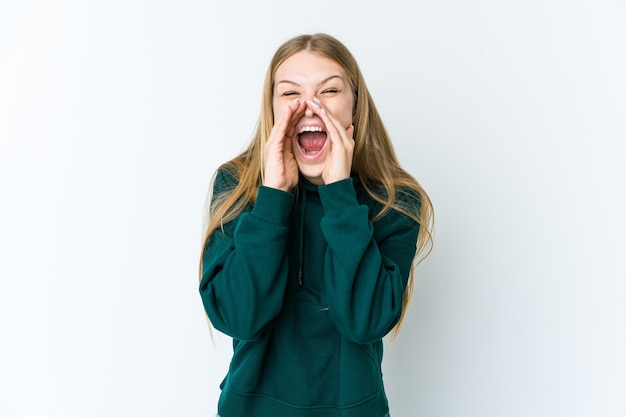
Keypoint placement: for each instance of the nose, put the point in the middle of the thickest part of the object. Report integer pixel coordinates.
(308, 112)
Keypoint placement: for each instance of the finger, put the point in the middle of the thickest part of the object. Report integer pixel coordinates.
(285, 123)
(285, 118)
(341, 130)
(350, 132)
(296, 113)
(338, 134)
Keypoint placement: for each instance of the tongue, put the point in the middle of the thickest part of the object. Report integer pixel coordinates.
(312, 141)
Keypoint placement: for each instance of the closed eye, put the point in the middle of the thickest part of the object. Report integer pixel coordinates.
(289, 93)
(330, 91)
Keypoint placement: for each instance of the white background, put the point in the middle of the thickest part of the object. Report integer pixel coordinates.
(114, 115)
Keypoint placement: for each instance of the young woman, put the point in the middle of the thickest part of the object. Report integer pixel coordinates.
(312, 235)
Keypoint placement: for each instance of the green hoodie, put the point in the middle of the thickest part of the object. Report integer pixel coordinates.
(307, 286)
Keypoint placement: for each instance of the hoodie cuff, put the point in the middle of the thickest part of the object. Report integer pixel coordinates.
(273, 206)
(338, 196)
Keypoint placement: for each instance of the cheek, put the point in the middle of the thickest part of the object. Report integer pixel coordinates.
(275, 112)
(344, 112)
(278, 108)
(336, 109)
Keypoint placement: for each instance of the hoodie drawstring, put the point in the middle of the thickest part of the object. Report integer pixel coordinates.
(301, 236)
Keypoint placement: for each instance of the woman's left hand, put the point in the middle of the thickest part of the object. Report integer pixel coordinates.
(338, 164)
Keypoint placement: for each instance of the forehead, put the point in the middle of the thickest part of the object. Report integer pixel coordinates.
(307, 66)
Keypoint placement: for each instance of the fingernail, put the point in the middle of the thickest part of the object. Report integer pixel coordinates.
(314, 104)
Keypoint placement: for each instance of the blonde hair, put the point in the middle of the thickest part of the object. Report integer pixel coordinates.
(374, 159)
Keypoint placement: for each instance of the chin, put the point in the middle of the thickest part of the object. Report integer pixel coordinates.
(312, 174)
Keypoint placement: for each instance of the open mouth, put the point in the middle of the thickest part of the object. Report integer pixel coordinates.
(311, 139)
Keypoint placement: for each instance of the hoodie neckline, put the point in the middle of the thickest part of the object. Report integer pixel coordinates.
(309, 186)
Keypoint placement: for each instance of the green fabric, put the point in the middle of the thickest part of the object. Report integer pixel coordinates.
(307, 286)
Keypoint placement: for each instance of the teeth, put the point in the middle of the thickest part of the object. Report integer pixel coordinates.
(310, 129)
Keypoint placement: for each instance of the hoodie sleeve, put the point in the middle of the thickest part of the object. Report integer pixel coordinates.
(244, 267)
(366, 265)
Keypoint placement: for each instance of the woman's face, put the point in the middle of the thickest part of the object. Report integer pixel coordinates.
(307, 75)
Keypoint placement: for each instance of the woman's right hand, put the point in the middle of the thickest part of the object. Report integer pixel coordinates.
(280, 167)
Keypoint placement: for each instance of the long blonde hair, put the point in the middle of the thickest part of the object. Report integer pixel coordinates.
(374, 159)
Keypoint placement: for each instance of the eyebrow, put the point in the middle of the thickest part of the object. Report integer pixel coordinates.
(324, 81)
